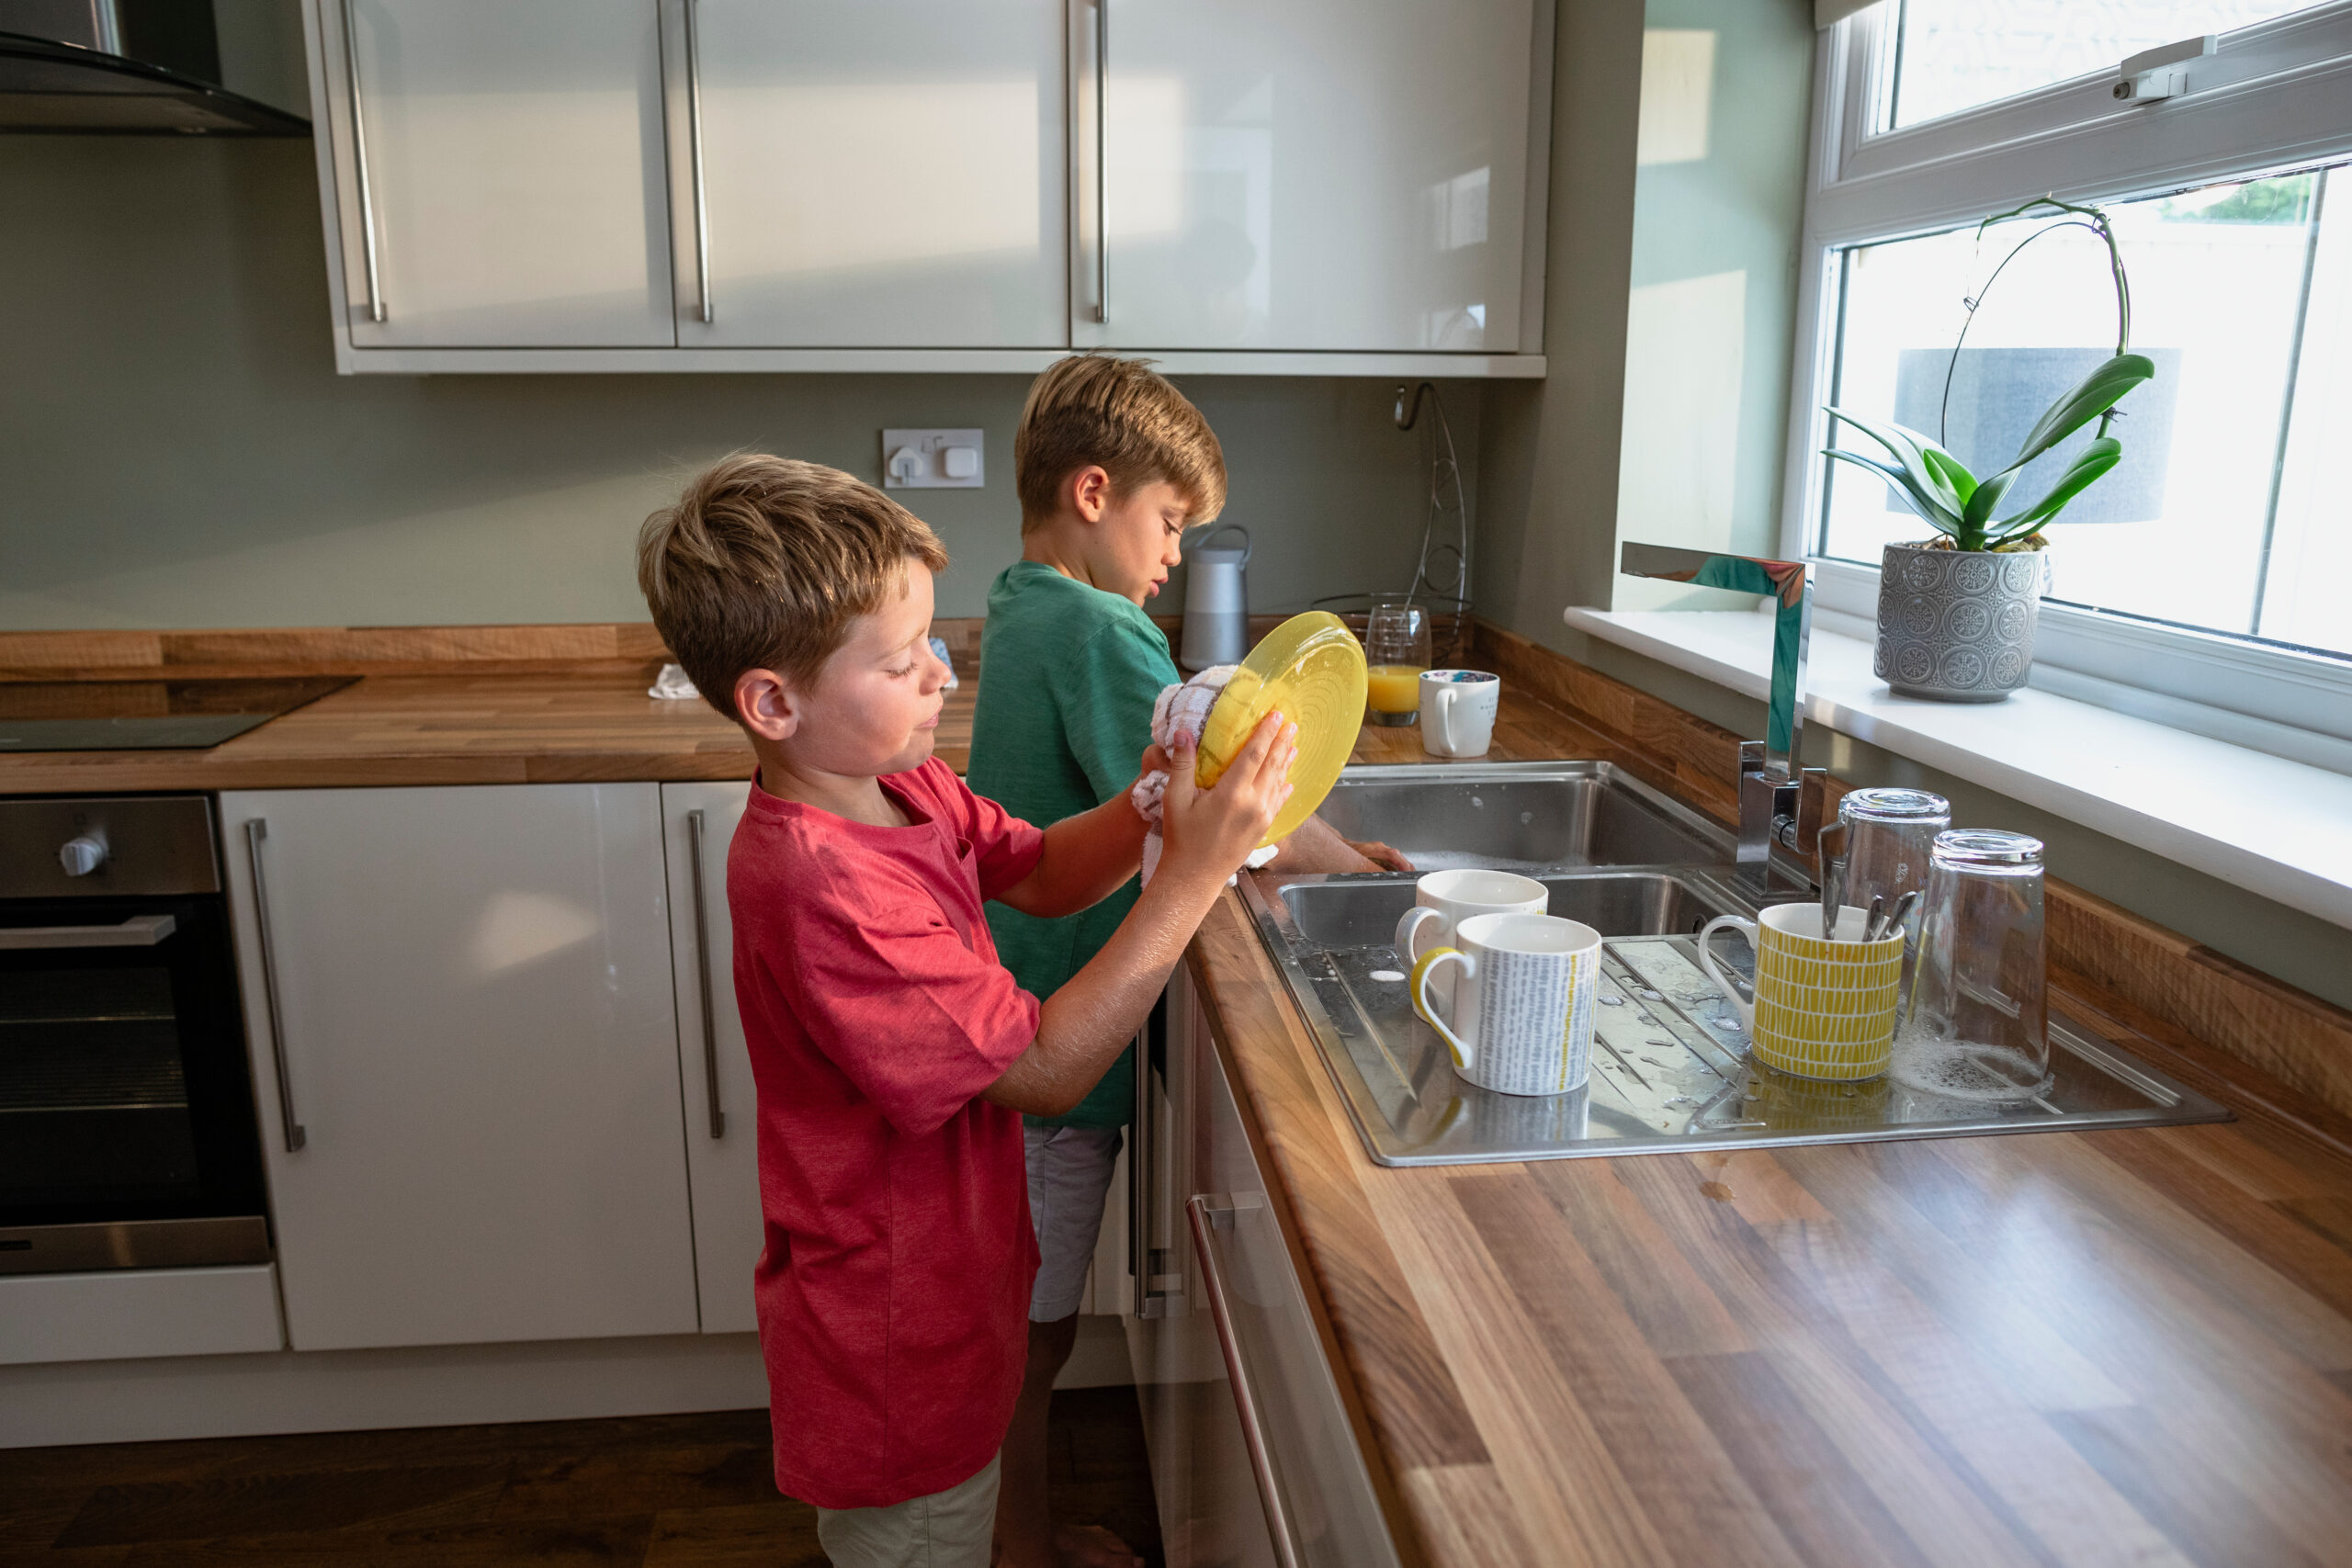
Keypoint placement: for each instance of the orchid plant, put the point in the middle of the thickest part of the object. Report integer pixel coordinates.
(1940, 488)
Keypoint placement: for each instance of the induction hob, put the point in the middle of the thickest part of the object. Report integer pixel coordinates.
(148, 716)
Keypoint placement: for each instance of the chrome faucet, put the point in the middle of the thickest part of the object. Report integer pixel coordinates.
(1772, 798)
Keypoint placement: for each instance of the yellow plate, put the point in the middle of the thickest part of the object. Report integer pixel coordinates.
(1311, 667)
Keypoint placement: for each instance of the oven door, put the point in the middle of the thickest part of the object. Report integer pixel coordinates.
(128, 1137)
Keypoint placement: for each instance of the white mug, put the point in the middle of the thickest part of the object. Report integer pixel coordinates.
(1458, 712)
(1449, 898)
(1520, 1019)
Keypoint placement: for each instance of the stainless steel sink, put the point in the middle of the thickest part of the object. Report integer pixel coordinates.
(1670, 1070)
(1525, 817)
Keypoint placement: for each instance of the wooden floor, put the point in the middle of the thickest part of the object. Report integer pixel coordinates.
(673, 1491)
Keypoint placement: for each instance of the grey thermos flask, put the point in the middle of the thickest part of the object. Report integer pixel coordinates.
(1216, 603)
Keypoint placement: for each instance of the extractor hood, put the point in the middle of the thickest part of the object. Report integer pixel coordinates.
(122, 68)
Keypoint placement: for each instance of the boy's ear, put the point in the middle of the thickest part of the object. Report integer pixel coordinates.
(767, 704)
(1090, 491)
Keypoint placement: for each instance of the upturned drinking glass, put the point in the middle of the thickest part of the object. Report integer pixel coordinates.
(1979, 1021)
(1889, 834)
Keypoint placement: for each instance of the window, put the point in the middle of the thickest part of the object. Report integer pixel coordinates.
(1955, 54)
(2212, 570)
(2216, 517)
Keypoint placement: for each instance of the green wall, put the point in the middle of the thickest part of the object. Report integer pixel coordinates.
(176, 450)
(1666, 425)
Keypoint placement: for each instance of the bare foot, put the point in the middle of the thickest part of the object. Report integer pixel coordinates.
(1092, 1546)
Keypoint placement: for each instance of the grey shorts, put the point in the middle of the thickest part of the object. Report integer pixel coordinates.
(954, 1528)
(1070, 1176)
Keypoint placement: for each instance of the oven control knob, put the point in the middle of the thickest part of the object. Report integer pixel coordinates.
(83, 855)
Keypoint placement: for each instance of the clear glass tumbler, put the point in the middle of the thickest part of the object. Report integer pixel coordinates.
(1889, 833)
(1979, 1021)
(1395, 649)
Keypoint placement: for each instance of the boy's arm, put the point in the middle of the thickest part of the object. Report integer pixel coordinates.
(1082, 1028)
(1086, 858)
(1318, 846)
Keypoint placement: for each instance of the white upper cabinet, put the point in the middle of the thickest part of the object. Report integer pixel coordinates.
(463, 997)
(1305, 175)
(500, 181)
(1240, 186)
(876, 174)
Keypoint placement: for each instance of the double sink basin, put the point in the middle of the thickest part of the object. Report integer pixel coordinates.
(1670, 1067)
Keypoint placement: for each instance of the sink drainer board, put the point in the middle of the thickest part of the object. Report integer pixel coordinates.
(1670, 1070)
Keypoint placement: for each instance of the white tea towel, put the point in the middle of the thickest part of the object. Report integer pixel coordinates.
(672, 686)
(1185, 709)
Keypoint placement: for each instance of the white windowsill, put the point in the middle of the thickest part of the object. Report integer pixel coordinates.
(2279, 829)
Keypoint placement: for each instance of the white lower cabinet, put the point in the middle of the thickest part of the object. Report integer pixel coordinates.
(463, 1040)
(1241, 1332)
(722, 1125)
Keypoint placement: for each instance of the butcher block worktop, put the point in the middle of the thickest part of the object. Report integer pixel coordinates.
(2091, 1348)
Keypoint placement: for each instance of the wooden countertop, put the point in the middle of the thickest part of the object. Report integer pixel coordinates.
(528, 727)
(2057, 1348)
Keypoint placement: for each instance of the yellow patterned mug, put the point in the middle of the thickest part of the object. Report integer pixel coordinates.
(1823, 1009)
(1521, 1016)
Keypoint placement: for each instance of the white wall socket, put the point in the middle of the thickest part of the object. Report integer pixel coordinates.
(933, 459)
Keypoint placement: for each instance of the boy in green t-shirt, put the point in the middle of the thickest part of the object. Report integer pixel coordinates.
(1112, 464)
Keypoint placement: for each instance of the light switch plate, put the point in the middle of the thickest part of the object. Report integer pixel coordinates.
(918, 459)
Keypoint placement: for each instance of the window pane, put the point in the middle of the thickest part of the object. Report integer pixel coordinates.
(1955, 54)
(2182, 530)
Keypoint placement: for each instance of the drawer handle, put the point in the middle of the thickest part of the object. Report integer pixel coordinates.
(694, 155)
(139, 930)
(702, 976)
(256, 829)
(1207, 1216)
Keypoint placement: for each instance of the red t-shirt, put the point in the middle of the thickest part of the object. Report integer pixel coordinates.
(893, 1294)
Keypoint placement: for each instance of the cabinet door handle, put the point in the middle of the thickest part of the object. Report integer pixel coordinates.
(256, 829)
(1207, 1216)
(693, 158)
(376, 312)
(1102, 162)
(139, 930)
(702, 977)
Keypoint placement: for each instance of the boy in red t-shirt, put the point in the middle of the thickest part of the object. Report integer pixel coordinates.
(894, 1055)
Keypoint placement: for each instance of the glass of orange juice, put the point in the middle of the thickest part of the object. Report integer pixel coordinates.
(1395, 649)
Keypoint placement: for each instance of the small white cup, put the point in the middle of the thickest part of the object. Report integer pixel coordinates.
(1521, 1017)
(1443, 899)
(1458, 712)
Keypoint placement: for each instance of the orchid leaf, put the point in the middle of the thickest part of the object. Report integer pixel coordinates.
(1932, 468)
(2089, 464)
(1988, 495)
(2093, 396)
(1940, 517)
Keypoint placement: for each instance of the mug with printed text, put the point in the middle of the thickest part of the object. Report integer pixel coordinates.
(1443, 899)
(1823, 1009)
(1520, 1021)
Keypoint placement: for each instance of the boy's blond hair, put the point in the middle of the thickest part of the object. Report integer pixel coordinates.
(763, 563)
(1097, 409)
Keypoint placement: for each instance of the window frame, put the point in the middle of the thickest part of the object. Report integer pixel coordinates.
(2272, 97)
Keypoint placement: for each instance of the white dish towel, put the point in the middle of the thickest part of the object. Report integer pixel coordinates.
(1183, 708)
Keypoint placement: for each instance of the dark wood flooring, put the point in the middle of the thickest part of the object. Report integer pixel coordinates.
(660, 1491)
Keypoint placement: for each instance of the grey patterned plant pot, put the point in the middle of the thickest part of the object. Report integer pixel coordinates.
(1957, 625)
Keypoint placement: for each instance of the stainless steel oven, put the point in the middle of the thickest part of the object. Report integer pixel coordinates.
(128, 1137)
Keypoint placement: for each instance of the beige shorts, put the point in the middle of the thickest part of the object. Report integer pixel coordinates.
(954, 1528)
(1070, 1177)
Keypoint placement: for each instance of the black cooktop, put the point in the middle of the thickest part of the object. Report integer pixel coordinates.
(147, 715)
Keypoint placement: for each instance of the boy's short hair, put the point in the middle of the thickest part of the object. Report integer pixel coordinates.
(763, 563)
(1120, 414)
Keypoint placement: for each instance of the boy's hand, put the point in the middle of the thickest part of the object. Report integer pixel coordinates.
(1212, 831)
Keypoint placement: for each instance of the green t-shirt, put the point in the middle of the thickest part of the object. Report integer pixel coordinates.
(1068, 675)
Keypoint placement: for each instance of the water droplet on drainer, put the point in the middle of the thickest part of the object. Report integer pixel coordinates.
(1612, 1001)
(1389, 976)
